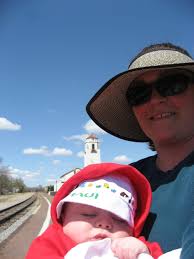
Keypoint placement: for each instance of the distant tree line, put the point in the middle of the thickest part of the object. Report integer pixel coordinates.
(9, 184)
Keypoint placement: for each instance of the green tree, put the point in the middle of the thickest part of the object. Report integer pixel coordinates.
(5, 181)
(50, 188)
(18, 185)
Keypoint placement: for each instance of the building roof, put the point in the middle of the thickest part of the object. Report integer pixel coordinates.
(93, 136)
(73, 170)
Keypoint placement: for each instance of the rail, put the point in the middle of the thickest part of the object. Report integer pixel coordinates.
(11, 211)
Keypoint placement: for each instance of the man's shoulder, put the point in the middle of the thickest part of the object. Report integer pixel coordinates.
(144, 162)
(145, 165)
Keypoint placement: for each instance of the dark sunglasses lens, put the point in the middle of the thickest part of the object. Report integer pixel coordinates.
(173, 85)
(138, 94)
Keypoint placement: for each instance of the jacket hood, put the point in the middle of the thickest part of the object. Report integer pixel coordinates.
(138, 180)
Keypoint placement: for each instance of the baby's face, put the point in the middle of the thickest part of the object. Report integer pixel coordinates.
(86, 223)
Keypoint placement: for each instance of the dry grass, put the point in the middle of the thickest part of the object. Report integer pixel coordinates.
(14, 197)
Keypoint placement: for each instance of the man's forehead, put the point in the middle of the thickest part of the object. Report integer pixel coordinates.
(149, 76)
(153, 75)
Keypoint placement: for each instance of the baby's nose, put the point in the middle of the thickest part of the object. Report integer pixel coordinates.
(104, 224)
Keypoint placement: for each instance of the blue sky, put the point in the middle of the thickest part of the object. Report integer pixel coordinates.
(54, 55)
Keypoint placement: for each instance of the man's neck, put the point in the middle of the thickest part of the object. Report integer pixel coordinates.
(170, 155)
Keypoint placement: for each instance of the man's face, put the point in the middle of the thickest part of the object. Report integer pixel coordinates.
(86, 223)
(166, 119)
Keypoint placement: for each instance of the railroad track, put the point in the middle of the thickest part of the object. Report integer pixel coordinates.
(13, 211)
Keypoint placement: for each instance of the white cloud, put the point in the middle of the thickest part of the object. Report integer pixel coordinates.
(5, 124)
(61, 152)
(121, 159)
(24, 174)
(80, 154)
(77, 137)
(14, 171)
(46, 152)
(36, 151)
(91, 127)
(29, 174)
(14, 175)
(56, 162)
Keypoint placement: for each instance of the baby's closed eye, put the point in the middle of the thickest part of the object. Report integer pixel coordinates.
(92, 215)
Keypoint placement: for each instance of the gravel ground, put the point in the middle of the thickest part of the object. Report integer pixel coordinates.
(5, 234)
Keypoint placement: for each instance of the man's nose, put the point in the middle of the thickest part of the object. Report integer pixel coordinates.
(156, 97)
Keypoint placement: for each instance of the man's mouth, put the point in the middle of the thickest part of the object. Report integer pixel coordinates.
(163, 115)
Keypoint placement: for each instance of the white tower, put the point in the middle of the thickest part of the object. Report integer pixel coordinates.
(92, 150)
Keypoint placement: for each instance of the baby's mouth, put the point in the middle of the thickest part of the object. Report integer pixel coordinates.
(99, 237)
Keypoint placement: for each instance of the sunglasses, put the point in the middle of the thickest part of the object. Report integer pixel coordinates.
(140, 92)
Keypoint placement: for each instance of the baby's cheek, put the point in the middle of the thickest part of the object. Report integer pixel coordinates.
(66, 230)
(71, 232)
(127, 231)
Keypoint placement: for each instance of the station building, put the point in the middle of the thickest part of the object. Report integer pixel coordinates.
(91, 156)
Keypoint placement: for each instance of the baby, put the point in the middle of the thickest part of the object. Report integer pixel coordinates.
(98, 213)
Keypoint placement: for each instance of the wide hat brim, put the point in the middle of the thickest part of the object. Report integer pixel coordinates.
(109, 108)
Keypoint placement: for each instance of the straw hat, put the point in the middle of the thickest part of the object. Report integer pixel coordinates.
(109, 108)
